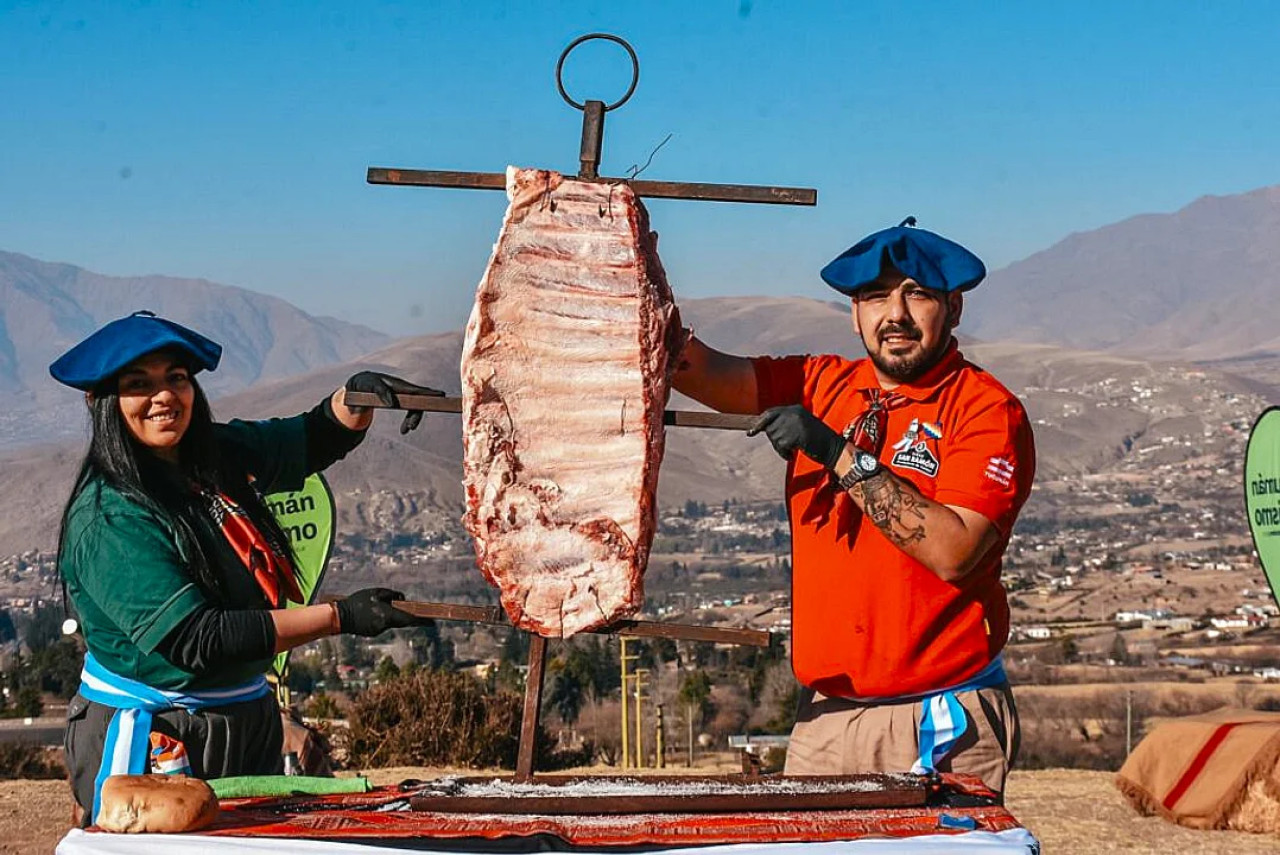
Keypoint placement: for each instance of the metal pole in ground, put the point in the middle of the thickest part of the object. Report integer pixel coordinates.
(689, 718)
(626, 749)
(638, 679)
(662, 741)
(1128, 723)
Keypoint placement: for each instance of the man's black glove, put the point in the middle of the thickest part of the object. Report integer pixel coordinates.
(387, 388)
(369, 612)
(794, 428)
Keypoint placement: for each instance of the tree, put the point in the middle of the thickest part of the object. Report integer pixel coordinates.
(351, 653)
(567, 695)
(1119, 652)
(386, 670)
(506, 677)
(1070, 650)
(302, 675)
(515, 647)
(57, 667)
(695, 693)
(665, 649)
(594, 664)
(784, 718)
(322, 706)
(27, 703)
(43, 628)
(428, 646)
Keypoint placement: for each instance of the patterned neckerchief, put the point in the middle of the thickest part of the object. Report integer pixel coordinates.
(264, 558)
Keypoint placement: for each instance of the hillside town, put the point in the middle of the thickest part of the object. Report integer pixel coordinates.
(1150, 547)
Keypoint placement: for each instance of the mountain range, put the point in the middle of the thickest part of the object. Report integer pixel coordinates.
(1197, 284)
(1091, 410)
(1097, 334)
(46, 307)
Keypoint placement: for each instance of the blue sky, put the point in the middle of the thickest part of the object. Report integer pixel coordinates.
(229, 140)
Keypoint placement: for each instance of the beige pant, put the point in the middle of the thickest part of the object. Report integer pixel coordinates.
(834, 736)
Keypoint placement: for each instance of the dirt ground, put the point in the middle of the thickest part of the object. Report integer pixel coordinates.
(1068, 810)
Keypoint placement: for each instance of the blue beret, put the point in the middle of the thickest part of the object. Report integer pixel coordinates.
(935, 262)
(103, 354)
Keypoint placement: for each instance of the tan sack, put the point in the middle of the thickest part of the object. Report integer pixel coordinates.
(156, 803)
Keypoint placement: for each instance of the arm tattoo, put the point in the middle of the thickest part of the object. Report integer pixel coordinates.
(895, 511)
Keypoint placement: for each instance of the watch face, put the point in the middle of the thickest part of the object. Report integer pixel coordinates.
(867, 462)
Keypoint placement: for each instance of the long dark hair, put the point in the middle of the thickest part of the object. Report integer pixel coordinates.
(165, 490)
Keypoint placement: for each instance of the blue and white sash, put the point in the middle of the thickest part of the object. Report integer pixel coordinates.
(943, 720)
(129, 733)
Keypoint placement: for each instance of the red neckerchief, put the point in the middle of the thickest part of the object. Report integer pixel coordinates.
(264, 558)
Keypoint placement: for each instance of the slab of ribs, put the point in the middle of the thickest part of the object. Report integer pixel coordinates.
(565, 376)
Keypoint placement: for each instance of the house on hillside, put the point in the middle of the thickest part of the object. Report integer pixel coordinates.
(1171, 624)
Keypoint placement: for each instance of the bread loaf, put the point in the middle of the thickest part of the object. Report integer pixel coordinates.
(156, 803)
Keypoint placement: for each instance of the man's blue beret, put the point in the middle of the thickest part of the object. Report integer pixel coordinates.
(935, 262)
(105, 353)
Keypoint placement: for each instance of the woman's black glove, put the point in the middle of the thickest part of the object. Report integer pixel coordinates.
(387, 388)
(794, 428)
(369, 612)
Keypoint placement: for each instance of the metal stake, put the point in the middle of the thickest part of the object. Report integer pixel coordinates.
(532, 708)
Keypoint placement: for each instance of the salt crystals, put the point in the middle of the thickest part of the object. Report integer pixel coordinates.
(610, 787)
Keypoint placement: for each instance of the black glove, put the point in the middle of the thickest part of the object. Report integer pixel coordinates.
(387, 388)
(794, 428)
(369, 612)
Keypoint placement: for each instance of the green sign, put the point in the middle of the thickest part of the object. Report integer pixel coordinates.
(1262, 493)
(308, 519)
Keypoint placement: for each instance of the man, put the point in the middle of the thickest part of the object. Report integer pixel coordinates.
(905, 473)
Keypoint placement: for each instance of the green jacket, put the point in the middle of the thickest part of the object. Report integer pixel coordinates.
(129, 582)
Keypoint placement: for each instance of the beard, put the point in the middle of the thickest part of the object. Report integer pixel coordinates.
(904, 368)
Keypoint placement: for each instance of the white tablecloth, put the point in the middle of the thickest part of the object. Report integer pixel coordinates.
(1017, 841)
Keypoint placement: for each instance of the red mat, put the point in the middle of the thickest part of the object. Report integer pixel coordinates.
(350, 816)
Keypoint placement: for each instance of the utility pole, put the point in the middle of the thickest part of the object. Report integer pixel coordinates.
(1128, 723)
(638, 678)
(689, 718)
(624, 658)
(662, 741)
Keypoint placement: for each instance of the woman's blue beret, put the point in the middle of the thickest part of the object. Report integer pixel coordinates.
(935, 262)
(109, 350)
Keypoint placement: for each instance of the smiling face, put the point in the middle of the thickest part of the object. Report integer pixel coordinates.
(156, 397)
(904, 326)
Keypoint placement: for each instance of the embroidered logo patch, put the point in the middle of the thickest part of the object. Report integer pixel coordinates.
(913, 450)
(1000, 471)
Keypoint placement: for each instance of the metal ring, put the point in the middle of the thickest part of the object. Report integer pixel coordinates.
(635, 69)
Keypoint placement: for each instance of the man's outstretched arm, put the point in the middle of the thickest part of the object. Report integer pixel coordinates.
(720, 380)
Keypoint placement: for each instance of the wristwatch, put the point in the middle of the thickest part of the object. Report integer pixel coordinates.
(864, 466)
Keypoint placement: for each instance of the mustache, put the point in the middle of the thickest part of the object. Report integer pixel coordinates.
(908, 330)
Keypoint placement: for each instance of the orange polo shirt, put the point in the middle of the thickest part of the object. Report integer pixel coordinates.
(869, 621)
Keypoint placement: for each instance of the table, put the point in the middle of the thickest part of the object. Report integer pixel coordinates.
(1015, 841)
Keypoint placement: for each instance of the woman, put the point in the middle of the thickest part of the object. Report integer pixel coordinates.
(175, 568)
